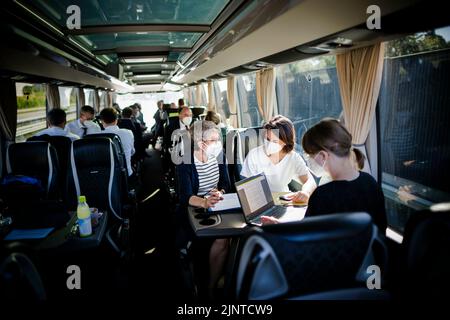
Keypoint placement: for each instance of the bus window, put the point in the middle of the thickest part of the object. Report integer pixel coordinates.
(31, 110)
(248, 105)
(68, 97)
(308, 91)
(414, 116)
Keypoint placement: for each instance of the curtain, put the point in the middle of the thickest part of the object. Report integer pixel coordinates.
(198, 95)
(8, 109)
(265, 92)
(109, 99)
(359, 73)
(81, 97)
(211, 98)
(231, 96)
(53, 99)
(96, 101)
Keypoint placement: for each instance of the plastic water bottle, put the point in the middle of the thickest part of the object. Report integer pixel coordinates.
(84, 217)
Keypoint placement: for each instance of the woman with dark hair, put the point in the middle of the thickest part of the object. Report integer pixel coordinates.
(278, 160)
(328, 146)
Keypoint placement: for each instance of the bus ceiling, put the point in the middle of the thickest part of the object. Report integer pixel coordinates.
(158, 45)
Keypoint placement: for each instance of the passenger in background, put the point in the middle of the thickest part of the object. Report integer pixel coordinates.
(181, 103)
(182, 123)
(85, 124)
(117, 108)
(160, 117)
(278, 160)
(201, 183)
(127, 122)
(109, 119)
(140, 116)
(136, 115)
(217, 119)
(56, 120)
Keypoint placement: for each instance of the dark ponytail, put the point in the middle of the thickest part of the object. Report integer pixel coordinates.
(360, 158)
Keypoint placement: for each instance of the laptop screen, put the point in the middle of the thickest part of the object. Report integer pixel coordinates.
(254, 195)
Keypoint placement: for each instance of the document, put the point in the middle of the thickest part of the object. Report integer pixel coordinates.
(18, 234)
(230, 201)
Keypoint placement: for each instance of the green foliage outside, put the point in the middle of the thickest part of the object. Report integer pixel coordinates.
(419, 42)
(33, 97)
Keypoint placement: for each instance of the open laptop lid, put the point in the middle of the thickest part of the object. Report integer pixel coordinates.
(254, 195)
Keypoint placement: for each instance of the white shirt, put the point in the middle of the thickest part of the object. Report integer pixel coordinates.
(57, 131)
(183, 126)
(127, 139)
(278, 175)
(76, 127)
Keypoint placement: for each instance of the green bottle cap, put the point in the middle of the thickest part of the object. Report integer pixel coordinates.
(81, 199)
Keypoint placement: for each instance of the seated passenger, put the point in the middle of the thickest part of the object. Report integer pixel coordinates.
(109, 119)
(183, 123)
(202, 181)
(278, 160)
(56, 120)
(85, 124)
(217, 119)
(329, 147)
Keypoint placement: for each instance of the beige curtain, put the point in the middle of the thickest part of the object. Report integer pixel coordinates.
(81, 98)
(265, 92)
(198, 95)
(359, 72)
(211, 98)
(109, 99)
(53, 99)
(231, 96)
(96, 105)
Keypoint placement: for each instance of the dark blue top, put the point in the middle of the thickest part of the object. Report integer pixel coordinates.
(187, 178)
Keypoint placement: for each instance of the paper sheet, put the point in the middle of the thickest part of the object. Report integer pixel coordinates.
(230, 201)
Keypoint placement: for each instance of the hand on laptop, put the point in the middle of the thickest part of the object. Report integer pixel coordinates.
(300, 196)
(265, 220)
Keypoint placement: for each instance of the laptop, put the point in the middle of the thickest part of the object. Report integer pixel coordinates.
(256, 199)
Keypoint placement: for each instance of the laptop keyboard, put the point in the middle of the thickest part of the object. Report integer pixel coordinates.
(276, 212)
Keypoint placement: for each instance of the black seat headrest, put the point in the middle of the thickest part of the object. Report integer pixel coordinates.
(94, 152)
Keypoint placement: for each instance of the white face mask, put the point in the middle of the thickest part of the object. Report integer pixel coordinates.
(272, 147)
(213, 150)
(88, 123)
(317, 169)
(187, 121)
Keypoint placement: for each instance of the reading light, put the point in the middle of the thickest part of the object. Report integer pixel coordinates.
(144, 60)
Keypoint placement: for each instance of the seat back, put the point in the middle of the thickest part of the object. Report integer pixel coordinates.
(239, 143)
(34, 159)
(118, 147)
(427, 246)
(315, 255)
(62, 146)
(97, 174)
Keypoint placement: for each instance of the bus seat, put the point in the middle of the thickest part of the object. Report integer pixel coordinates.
(426, 242)
(98, 175)
(34, 159)
(96, 172)
(240, 142)
(318, 255)
(62, 146)
(117, 145)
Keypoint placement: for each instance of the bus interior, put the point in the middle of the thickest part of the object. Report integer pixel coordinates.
(382, 68)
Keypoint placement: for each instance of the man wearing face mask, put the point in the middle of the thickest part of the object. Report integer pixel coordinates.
(278, 160)
(84, 125)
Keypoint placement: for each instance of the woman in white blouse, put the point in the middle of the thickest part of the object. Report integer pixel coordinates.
(278, 160)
